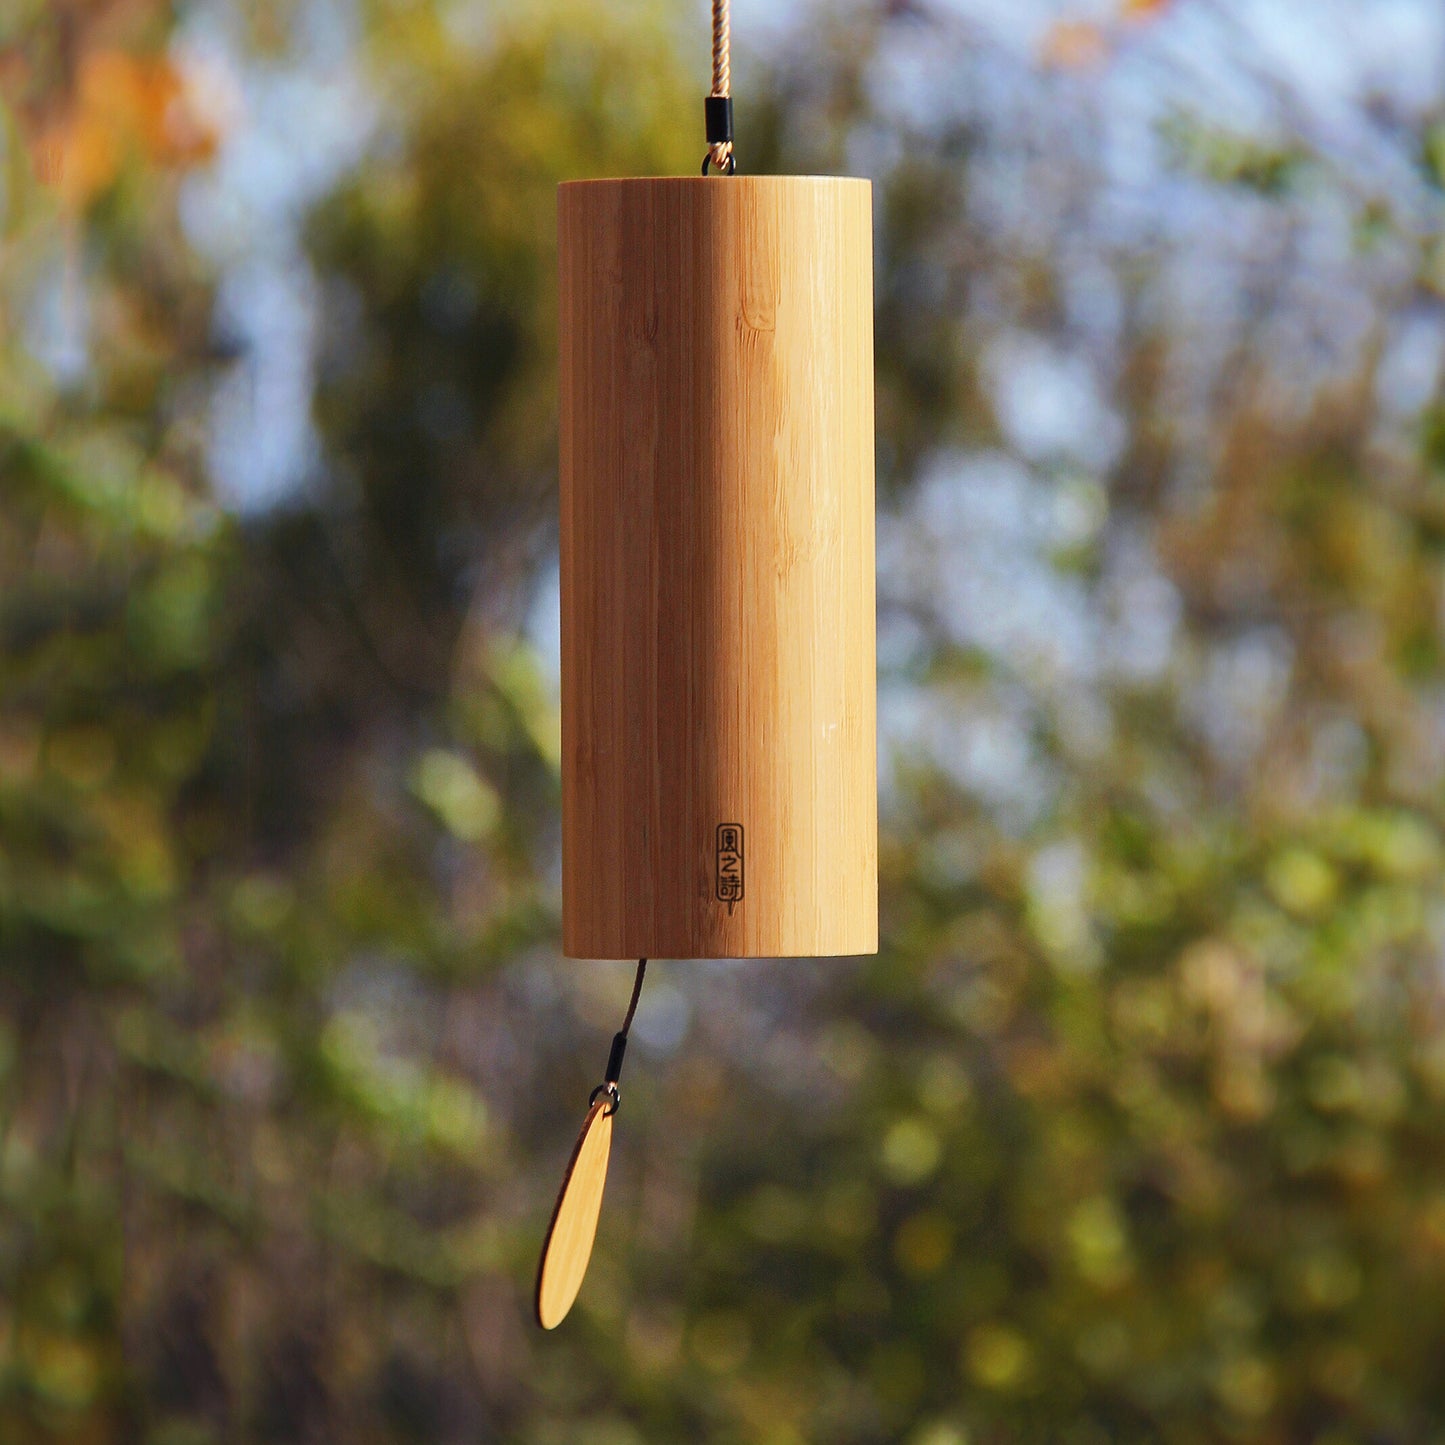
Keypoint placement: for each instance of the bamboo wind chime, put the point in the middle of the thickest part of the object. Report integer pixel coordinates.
(719, 773)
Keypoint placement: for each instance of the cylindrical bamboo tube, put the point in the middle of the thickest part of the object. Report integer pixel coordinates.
(719, 772)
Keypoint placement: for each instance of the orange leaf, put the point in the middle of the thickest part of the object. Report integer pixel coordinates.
(84, 158)
(123, 104)
(175, 126)
(1074, 45)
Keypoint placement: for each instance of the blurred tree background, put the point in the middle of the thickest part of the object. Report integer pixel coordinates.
(1135, 1128)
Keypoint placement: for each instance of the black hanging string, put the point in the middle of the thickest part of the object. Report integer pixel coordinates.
(636, 994)
(608, 1085)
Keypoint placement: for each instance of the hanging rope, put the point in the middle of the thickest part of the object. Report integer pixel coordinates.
(608, 1085)
(721, 46)
(718, 107)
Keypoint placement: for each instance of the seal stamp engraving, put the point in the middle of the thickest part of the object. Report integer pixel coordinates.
(730, 864)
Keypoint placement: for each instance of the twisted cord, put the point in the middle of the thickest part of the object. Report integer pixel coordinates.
(721, 71)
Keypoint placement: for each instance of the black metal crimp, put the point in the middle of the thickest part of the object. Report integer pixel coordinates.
(718, 114)
(614, 1059)
(608, 1085)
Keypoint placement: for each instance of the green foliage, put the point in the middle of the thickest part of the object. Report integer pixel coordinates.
(1233, 158)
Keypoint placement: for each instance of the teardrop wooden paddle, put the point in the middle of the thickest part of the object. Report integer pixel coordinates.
(568, 1245)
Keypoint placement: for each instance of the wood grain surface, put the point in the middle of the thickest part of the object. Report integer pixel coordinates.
(719, 768)
(568, 1245)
